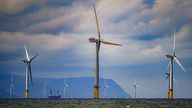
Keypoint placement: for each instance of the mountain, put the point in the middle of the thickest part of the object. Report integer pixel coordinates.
(77, 87)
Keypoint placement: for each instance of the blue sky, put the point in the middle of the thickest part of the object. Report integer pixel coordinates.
(59, 31)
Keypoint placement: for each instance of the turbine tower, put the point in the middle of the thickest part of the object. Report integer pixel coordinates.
(11, 87)
(45, 89)
(172, 57)
(28, 61)
(98, 42)
(135, 87)
(105, 88)
(65, 85)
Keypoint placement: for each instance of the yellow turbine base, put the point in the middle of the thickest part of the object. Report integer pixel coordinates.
(96, 92)
(170, 94)
(26, 93)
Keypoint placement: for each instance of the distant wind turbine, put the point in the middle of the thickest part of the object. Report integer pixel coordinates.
(98, 42)
(172, 57)
(28, 61)
(105, 88)
(135, 87)
(45, 89)
(11, 87)
(65, 85)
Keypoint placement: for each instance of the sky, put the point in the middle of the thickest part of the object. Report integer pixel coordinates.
(58, 30)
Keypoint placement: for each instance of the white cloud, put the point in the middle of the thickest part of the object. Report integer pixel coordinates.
(121, 21)
(58, 18)
(14, 6)
(117, 17)
(132, 52)
(14, 41)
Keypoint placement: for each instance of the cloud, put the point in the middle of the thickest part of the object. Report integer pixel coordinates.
(133, 16)
(160, 18)
(12, 6)
(14, 41)
(75, 23)
(132, 52)
(62, 19)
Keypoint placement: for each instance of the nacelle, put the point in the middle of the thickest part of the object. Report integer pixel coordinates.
(93, 40)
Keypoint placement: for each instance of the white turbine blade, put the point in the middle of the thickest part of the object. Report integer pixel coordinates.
(168, 64)
(30, 73)
(64, 81)
(97, 23)
(137, 85)
(26, 52)
(179, 64)
(106, 86)
(110, 43)
(12, 81)
(12, 86)
(174, 42)
(34, 57)
(11, 78)
(105, 83)
(135, 82)
(65, 84)
(175, 80)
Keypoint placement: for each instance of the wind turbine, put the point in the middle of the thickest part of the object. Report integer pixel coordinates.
(172, 57)
(98, 42)
(105, 88)
(28, 61)
(65, 85)
(135, 87)
(11, 87)
(45, 89)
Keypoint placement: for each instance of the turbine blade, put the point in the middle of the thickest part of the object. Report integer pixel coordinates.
(179, 64)
(30, 73)
(175, 80)
(65, 84)
(137, 85)
(11, 78)
(26, 52)
(168, 64)
(110, 43)
(168, 75)
(34, 57)
(174, 43)
(12, 81)
(135, 82)
(105, 83)
(12, 86)
(97, 23)
(65, 81)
